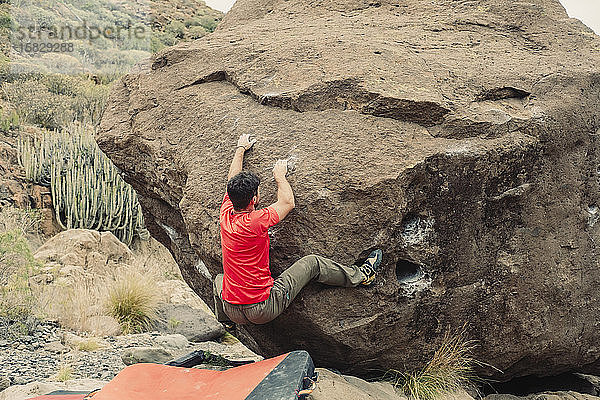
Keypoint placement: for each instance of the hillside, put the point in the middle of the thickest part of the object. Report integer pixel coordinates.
(101, 37)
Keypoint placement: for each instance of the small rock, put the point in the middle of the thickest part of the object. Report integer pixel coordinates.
(175, 341)
(19, 380)
(27, 339)
(105, 375)
(71, 340)
(336, 387)
(195, 324)
(56, 347)
(458, 395)
(136, 355)
(41, 279)
(4, 382)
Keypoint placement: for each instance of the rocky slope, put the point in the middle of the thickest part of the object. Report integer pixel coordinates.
(460, 137)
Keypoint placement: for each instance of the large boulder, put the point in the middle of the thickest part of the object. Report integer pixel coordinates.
(460, 137)
(84, 250)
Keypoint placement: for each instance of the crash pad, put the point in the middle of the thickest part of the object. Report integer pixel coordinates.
(279, 378)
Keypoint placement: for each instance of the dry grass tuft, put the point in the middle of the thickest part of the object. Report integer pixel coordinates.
(27, 222)
(74, 304)
(132, 301)
(89, 344)
(449, 370)
(228, 338)
(17, 265)
(65, 373)
(153, 258)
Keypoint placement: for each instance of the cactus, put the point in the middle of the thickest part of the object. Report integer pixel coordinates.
(87, 190)
(9, 121)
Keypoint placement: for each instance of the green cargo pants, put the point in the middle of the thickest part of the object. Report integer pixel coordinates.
(286, 287)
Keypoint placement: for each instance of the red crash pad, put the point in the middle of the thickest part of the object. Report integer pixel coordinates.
(280, 378)
(160, 382)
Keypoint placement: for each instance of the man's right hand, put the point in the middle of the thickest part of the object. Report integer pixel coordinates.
(280, 169)
(245, 141)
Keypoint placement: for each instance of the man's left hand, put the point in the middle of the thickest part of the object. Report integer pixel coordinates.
(246, 142)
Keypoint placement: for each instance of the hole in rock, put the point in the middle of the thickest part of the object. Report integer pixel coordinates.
(407, 271)
(526, 385)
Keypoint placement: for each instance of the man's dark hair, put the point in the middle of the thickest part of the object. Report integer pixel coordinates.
(242, 188)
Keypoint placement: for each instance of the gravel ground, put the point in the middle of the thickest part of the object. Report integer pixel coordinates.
(39, 355)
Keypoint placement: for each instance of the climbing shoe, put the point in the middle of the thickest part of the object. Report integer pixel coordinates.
(371, 266)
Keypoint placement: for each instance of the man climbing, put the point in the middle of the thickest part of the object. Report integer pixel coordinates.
(248, 292)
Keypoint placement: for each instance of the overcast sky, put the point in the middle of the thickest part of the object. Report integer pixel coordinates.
(586, 10)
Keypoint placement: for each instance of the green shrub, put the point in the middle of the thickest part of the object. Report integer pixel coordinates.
(132, 301)
(156, 44)
(5, 20)
(9, 121)
(89, 344)
(60, 84)
(17, 265)
(188, 22)
(54, 101)
(209, 23)
(36, 105)
(89, 103)
(196, 32)
(175, 29)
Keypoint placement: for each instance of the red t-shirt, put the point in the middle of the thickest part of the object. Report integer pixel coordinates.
(245, 244)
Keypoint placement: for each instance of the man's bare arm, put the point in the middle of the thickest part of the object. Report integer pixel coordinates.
(285, 196)
(244, 144)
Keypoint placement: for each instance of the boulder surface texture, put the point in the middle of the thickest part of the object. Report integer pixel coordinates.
(461, 137)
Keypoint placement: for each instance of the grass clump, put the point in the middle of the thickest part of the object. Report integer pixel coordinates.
(228, 338)
(132, 301)
(74, 304)
(65, 373)
(173, 324)
(450, 370)
(17, 265)
(9, 121)
(27, 222)
(89, 344)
